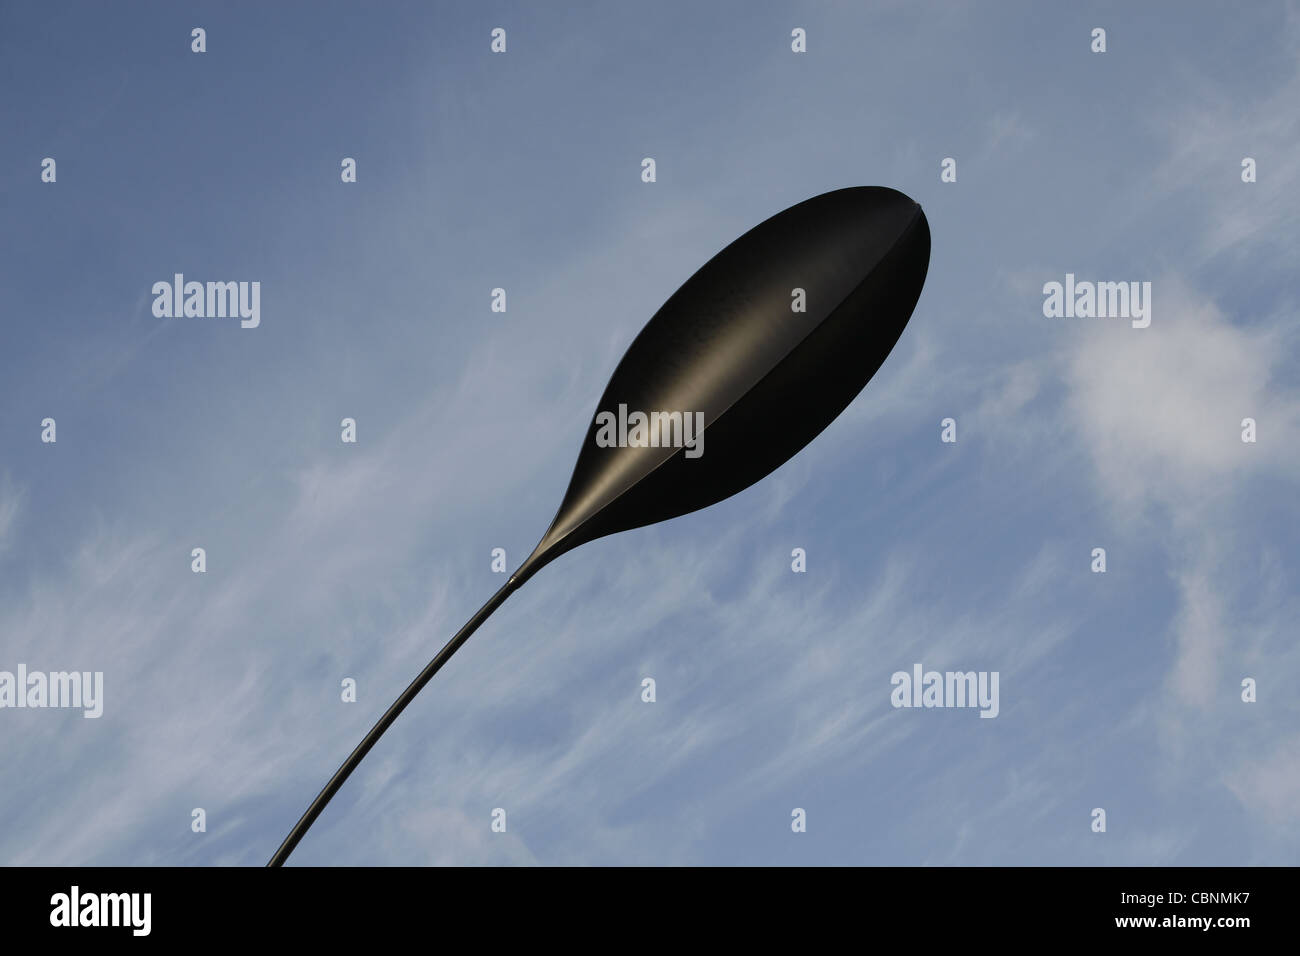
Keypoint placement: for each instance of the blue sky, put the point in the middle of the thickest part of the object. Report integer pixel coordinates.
(522, 170)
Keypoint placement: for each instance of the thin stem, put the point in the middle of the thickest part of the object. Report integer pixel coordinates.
(390, 715)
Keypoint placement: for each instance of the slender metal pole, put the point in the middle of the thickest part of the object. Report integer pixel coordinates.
(390, 715)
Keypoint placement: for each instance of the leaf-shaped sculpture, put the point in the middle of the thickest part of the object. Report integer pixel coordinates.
(730, 350)
(767, 379)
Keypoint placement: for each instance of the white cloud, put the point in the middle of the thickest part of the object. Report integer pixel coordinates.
(1161, 408)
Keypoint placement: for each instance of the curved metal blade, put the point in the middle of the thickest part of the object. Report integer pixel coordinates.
(728, 350)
